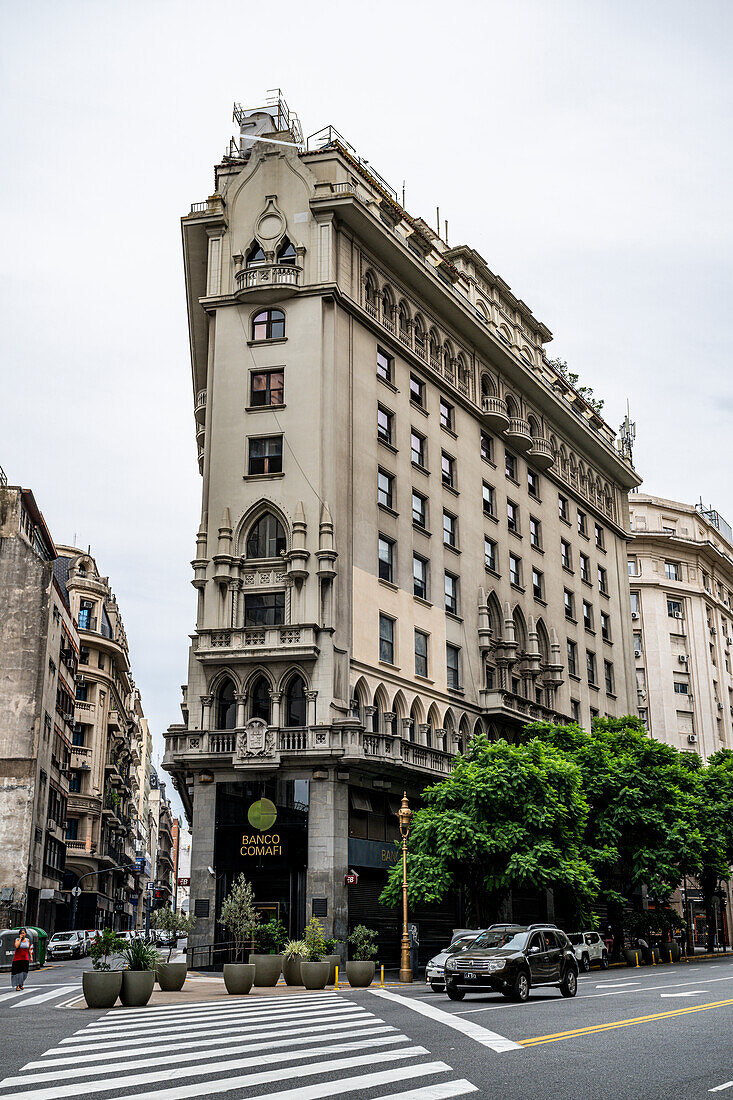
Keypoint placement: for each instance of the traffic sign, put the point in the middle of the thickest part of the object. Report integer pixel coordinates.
(76, 891)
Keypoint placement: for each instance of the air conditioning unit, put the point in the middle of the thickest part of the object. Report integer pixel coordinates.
(691, 739)
(641, 693)
(678, 614)
(637, 653)
(51, 825)
(713, 630)
(79, 678)
(720, 706)
(86, 767)
(682, 658)
(634, 614)
(729, 641)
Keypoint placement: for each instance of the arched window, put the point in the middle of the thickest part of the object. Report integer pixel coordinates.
(286, 252)
(419, 336)
(295, 703)
(255, 256)
(370, 291)
(268, 325)
(266, 538)
(226, 707)
(260, 699)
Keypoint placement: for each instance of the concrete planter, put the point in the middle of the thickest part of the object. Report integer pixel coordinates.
(671, 951)
(171, 976)
(101, 988)
(137, 987)
(360, 974)
(632, 954)
(333, 962)
(267, 969)
(238, 977)
(314, 975)
(291, 970)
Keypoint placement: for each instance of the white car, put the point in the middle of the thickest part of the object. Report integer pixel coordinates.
(67, 945)
(589, 948)
(435, 969)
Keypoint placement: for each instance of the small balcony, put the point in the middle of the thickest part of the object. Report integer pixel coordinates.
(274, 643)
(81, 757)
(268, 282)
(518, 433)
(199, 407)
(504, 704)
(494, 413)
(541, 454)
(113, 720)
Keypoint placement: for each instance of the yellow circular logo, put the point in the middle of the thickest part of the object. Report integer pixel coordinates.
(262, 814)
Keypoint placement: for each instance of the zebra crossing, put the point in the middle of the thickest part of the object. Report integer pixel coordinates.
(298, 1047)
(34, 995)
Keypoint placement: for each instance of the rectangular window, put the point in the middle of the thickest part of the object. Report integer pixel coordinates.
(602, 581)
(512, 516)
(635, 603)
(385, 486)
(533, 484)
(585, 568)
(86, 621)
(453, 665)
(510, 465)
(538, 585)
(488, 497)
(608, 676)
(605, 626)
(385, 420)
(74, 782)
(421, 653)
(446, 415)
(386, 559)
(417, 449)
(264, 609)
(674, 609)
(450, 530)
(562, 508)
(384, 365)
(419, 509)
(83, 654)
(72, 828)
(82, 692)
(671, 570)
(600, 539)
(575, 710)
(681, 688)
(486, 446)
(448, 469)
(417, 391)
(78, 737)
(572, 658)
(582, 519)
(386, 639)
(535, 532)
(569, 604)
(633, 567)
(489, 553)
(590, 665)
(587, 615)
(515, 570)
(566, 554)
(420, 576)
(451, 593)
(266, 455)
(267, 387)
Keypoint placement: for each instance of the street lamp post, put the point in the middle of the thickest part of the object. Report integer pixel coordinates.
(405, 817)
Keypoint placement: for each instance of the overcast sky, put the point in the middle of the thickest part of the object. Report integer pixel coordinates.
(582, 147)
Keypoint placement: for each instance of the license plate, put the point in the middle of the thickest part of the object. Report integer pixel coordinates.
(471, 977)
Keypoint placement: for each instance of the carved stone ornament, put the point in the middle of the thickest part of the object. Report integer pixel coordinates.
(255, 740)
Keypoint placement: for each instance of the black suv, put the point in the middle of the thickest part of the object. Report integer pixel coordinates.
(510, 959)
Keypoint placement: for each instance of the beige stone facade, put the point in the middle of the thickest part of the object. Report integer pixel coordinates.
(681, 578)
(411, 522)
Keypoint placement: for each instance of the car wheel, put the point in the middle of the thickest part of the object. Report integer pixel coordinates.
(455, 994)
(520, 989)
(604, 961)
(436, 988)
(569, 984)
(585, 963)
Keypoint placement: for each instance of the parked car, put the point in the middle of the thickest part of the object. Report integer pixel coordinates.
(513, 962)
(589, 948)
(66, 945)
(434, 970)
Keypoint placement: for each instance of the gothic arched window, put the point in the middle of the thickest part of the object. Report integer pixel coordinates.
(286, 253)
(226, 707)
(260, 699)
(295, 702)
(266, 538)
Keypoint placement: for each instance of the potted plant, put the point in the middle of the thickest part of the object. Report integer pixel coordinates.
(268, 962)
(239, 917)
(138, 979)
(360, 967)
(293, 952)
(171, 975)
(332, 959)
(101, 985)
(313, 967)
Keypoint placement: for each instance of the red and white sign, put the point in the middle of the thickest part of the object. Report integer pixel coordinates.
(351, 879)
(184, 881)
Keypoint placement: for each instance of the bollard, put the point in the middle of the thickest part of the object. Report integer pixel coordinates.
(336, 982)
(381, 979)
(654, 957)
(636, 956)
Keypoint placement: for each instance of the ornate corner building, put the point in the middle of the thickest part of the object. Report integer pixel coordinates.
(413, 527)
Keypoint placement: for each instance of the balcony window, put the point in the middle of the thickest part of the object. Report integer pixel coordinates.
(82, 692)
(486, 446)
(450, 530)
(512, 516)
(385, 486)
(452, 666)
(269, 324)
(446, 415)
(419, 509)
(569, 604)
(264, 609)
(386, 639)
(78, 737)
(266, 538)
(266, 388)
(515, 570)
(451, 593)
(386, 559)
(259, 700)
(419, 576)
(385, 420)
(448, 470)
(488, 499)
(385, 365)
(489, 553)
(572, 658)
(510, 466)
(421, 653)
(266, 455)
(286, 253)
(72, 828)
(417, 391)
(226, 707)
(295, 703)
(417, 449)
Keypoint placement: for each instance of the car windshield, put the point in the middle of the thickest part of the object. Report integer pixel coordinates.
(509, 941)
(61, 937)
(461, 942)
(575, 937)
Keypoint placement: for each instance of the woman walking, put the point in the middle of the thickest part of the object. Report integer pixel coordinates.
(22, 959)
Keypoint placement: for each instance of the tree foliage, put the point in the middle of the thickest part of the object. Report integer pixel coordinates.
(586, 392)
(238, 913)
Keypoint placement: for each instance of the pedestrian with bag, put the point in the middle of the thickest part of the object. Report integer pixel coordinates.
(22, 959)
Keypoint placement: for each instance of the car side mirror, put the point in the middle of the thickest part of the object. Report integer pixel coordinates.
(534, 950)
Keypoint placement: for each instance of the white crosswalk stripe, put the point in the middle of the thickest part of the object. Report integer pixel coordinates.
(296, 1047)
(25, 998)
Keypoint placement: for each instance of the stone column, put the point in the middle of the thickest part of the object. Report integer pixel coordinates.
(206, 701)
(328, 852)
(406, 728)
(241, 701)
(311, 697)
(389, 717)
(203, 884)
(369, 713)
(275, 697)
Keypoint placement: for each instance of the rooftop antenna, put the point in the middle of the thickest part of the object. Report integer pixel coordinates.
(403, 194)
(627, 434)
(437, 218)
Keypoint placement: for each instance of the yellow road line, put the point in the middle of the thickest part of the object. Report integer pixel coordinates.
(594, 1029)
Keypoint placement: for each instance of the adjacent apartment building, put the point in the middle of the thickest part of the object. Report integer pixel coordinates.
(413, 529)
(39, 652)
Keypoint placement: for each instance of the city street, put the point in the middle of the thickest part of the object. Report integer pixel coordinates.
(653, 1032)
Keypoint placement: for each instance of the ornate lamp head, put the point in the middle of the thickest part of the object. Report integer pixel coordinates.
(405, 817)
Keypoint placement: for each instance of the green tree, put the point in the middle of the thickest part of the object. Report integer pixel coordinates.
(180, 924)
(238, 914)
(716, 826)
(508, 817)
(586, 392)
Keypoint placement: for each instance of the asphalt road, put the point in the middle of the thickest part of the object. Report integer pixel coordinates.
(663, 1032)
